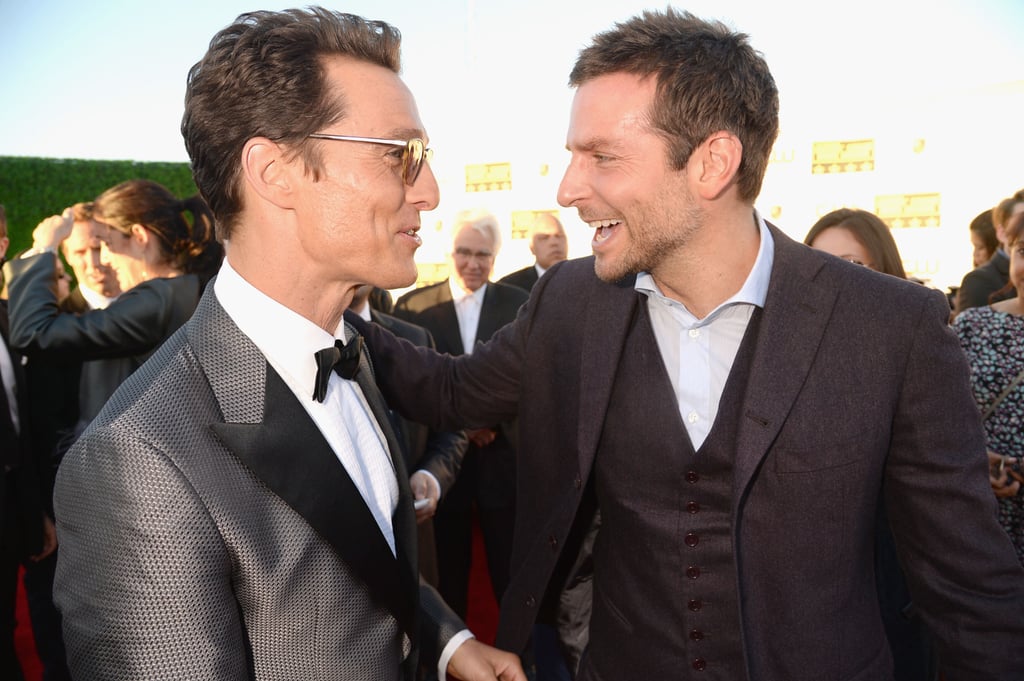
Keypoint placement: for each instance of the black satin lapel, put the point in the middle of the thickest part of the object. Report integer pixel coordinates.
(312, 481)
(404, 519)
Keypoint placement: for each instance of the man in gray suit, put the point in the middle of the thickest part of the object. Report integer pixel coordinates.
(735, 403)
(240, 509)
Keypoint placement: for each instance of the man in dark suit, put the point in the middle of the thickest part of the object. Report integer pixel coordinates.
(53, 390)
(993, 277)
(26, 532)
(240, 508)
(735, 403)
(548, 245)
(434, 456)
(459, 313)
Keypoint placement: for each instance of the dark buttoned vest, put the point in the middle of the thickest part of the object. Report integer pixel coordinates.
(665, 597)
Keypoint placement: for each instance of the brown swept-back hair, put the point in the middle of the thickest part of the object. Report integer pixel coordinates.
(709, 78)
(190, 247)
(869, 231)
(263, 76)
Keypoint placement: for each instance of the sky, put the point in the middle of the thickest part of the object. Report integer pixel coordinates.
(105, 79)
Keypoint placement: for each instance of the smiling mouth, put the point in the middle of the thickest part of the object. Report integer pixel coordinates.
(604, 228)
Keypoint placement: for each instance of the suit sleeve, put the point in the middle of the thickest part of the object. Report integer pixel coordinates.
(134, 324)
(446, 392)
(143, 575)
(962, 571)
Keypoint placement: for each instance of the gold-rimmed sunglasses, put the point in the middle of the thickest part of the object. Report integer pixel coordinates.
(414, 151)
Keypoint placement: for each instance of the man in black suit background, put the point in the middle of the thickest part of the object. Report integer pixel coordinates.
(434, 456)
(53, 393)
(25, 530)
(460, 312)
(548, 245)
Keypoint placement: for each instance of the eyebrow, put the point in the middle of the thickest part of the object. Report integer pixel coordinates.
(406, 133)
(591, 143)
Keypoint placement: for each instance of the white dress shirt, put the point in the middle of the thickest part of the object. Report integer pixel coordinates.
(94, 299)
(289, 341)
(699, 353)
(9, 384)
(467, 309)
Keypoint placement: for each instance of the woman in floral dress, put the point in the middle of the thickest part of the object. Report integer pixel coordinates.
(993, 338)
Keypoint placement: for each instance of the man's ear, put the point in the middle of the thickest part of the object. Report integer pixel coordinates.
(719, 157)
(267, 172)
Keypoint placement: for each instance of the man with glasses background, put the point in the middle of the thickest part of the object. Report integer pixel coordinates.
(240, 509)
(460, 312)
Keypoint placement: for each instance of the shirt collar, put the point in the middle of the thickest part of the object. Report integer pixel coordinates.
(755, 288)
(459, 294)
(95, 299)
(287, 339)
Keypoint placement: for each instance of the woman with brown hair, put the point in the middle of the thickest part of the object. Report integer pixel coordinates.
(162, 261)
(993, 338)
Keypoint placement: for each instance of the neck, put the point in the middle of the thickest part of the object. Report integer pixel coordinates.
(713, 265)
(304, 290)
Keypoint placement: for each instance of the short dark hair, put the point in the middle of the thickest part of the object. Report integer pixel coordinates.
(709, 78)
(983, 226)
(869, 231)
(264, 76)
(189, 247)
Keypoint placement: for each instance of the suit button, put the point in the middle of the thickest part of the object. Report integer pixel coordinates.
(530, 601)
(693, 572)
(552, 542)
(696, 635)
(694, 604)
(577, 482)
(700, 664)
(693, 507)
(692, 476)
(691, 539)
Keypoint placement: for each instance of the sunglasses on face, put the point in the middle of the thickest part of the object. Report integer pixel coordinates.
(414, 151)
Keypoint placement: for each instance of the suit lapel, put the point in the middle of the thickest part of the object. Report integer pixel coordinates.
(263, 422)
(491, 315)
(796, 312)
(447, 325)
(609, 314)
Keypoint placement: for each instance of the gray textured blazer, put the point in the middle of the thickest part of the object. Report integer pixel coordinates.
(208, 531)
(857, 390)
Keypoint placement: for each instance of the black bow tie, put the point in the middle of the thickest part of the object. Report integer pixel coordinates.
(342, 358)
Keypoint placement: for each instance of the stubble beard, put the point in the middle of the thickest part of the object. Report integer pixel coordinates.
(655, 238)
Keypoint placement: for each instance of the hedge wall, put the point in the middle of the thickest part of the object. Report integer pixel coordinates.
(35, 188)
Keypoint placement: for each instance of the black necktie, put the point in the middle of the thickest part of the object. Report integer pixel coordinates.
(342, 358)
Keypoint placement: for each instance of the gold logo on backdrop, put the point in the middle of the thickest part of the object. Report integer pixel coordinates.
(909, 210)
(522, 219)
(489, 177)
(852, 156)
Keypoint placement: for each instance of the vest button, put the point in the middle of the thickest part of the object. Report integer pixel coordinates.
(691, 476)
(694, 604)
(693, 572)
(577, 482)
(693, 507)
(700, 664)
(530, 601)
(691, 539)
(696, 635)
(553, 542)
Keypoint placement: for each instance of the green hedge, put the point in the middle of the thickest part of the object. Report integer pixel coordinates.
(35, 188)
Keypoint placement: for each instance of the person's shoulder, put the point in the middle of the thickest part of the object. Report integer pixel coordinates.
(508, 292)
(521, 278)
(418, 298)
(402, 328)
